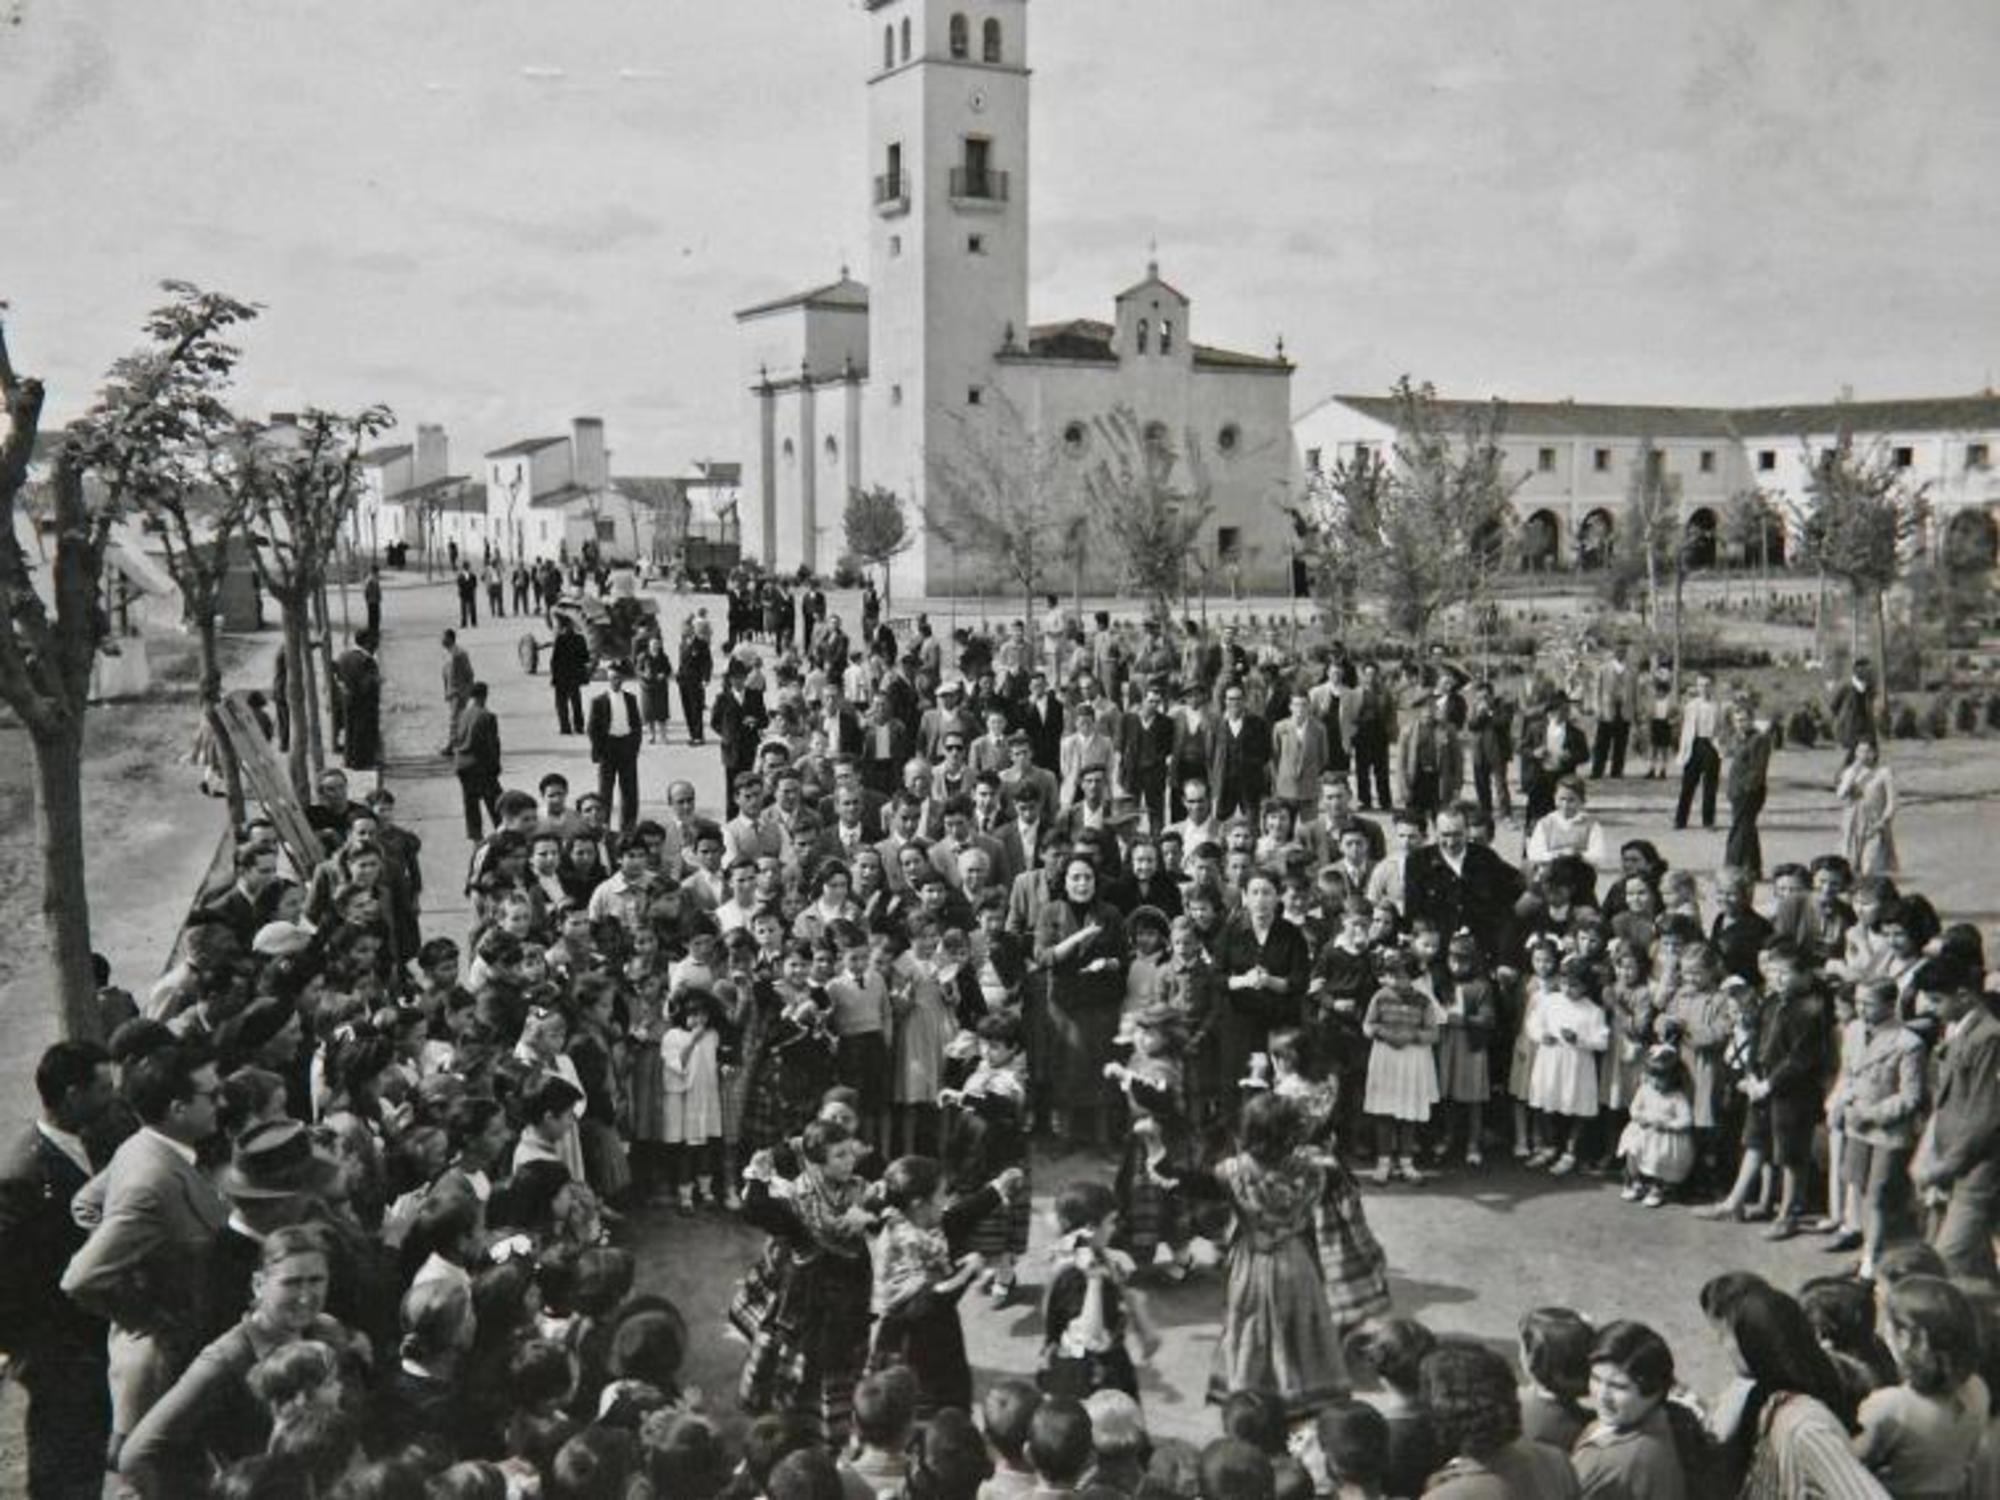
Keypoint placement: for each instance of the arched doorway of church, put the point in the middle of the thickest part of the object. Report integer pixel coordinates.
(1594, 540)
(1699, 542)
(1541, 542)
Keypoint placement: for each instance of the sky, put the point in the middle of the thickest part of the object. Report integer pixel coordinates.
(500, 214)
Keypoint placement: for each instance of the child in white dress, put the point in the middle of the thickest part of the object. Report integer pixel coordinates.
(1569, 1031)
(1657, 1144)
(691, 1096)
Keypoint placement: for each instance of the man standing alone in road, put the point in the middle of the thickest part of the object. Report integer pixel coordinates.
(457, 686)
(475, 748)
(1614, 703)
(569, 670)
(615, 736)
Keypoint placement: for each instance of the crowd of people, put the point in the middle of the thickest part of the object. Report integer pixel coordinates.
(344, 1206)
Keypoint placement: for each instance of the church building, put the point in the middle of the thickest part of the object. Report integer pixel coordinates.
(854, 385)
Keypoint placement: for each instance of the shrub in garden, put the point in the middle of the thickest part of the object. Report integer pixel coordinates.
(1993, 710)
(1937, 718)
(1965, 716)
(1802, 728)
(1904, 725)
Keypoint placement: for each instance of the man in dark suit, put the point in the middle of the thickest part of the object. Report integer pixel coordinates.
(615, 735)
(1239, 755)
(569, 670)
(1960, 1151)
(359, 677)
(145, 1265)
(1145, 751)
(244, 907)
(1853, 709)
(475, 756)
(1371, 731)
(737, 724)
(1457, 883)
(458, 678)
(57, 1348)
(1042, 718)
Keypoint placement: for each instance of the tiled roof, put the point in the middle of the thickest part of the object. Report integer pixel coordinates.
(1088, 341)
(453, 492)
(1568, 418)
(652, 490)
(846, 293)
(719, 473)
(1919, 414)
(375, 457)
(526, 445)
(553, 499)
(1587, 419)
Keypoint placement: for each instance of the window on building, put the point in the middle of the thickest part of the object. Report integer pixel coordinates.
(895, 245)
(1312, 459)
(972, 395)
(1978, 456)
(961, 37)
(1905, 457)
(1600, 460)
(978, 171)
(1228, 541)
(1767, 460)
(791, 452)
(607, 529)
(975, 244)
(990, 35)
(888, 47)
(892, 175)
(895, 395)
(1166, 335)
(906, 39)
(1145, 332)
(1075, 435)
(1708, 460)
(1545, 460)
(1229, 437)
(1656, 462)
(1156, 436)
(832, 448)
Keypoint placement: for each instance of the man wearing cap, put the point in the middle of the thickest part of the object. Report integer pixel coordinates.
(275, 1175)
(1959, 1153)
(616, 732)
(737, 724)
(57, 1347)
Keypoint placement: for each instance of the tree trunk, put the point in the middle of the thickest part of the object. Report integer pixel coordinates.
(325, 683)
(297, 694)
(1854, 612)
(1882, 653)
(1680, 582)
(65, 893)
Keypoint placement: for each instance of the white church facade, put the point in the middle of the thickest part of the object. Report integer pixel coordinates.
(854, 385)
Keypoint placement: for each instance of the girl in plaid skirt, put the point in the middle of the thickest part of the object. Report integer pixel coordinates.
(1159, 1146)
(989, 1136)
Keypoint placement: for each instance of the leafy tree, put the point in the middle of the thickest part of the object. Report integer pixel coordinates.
(876, 529)
(1419, 529)
(1649, 541)
(1151, 503)
(49, 639)
(1746, 527)
(302, 489)
(1858, 525)
(1004, 492)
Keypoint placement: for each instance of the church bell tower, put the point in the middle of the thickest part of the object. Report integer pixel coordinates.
(948, 235)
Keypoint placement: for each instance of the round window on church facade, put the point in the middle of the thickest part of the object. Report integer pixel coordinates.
(1229, 438)
(832, 449)
(1075, 436)
(791, 453)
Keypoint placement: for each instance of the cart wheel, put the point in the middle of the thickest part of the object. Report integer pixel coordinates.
(529, 651)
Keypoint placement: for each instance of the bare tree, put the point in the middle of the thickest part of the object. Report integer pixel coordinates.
(1860, 525)
(48, 645)
(1003, 491)
(1151, 504)
(876, 530)
(301, 493)
(1423, 528)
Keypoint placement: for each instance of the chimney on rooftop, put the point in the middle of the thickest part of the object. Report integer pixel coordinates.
(284, 419)
(432, 459)
(590, 469)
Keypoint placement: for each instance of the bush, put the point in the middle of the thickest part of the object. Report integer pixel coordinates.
(1993, 711)
(1937, 718)
(1904, 725)
(1802, 728)
(1965, 716)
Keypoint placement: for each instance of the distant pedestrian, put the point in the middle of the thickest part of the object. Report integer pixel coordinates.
(371, 596)
(496, 590)
(360, 678)
(697, 665)
(458, 677)
(523, 582)
(1614, 692)
(1701, 765)
(569, 670)
(1853, 709)
(468, 596)
(615, 726)
(1748, 772)
(475, 749)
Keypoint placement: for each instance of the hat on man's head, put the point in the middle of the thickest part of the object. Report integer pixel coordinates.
(277, 1159)
(279, 939)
